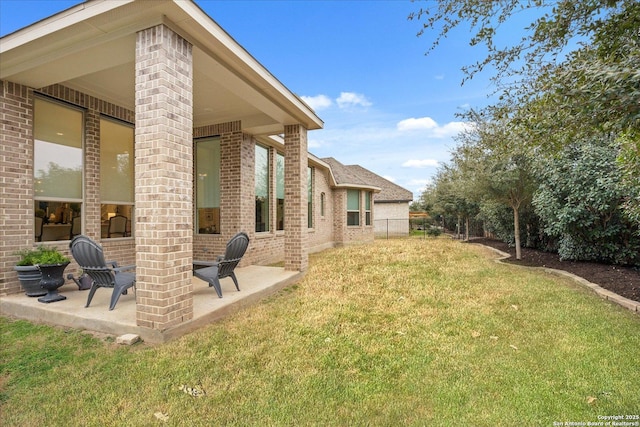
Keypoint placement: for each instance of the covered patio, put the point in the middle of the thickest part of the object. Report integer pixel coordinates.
(175, 80)
(256, 282)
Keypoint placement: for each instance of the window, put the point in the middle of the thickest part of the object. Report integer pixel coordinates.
(310, 197)
(262, 188)
(279, 192)
(58, 164)
(322, 196)
(353, 207)
(208, 186)
(367, 207)
(116, 178)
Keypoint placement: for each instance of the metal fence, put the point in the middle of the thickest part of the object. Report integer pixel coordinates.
(402, 227)
(391, 228)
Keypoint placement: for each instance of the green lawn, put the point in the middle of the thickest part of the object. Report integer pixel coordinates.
(400, 332)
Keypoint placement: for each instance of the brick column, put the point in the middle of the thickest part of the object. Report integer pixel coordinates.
(340, 215)
(91, 206)
(237, 205)
(16, 179)
(296, 257)
(164, 178)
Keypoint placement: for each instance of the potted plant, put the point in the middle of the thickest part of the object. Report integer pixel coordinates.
(41, 272)
(52, 264)
(29, 273)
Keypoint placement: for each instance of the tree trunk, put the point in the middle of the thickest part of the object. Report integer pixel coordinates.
(516, 231)
(467, 229)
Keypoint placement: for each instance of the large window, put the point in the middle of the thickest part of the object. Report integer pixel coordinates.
(262, 188)
(309, 197)
(367, 207)
(116, 178)
(208, 186)
(58, 163)
(279, 192)
(353, 207)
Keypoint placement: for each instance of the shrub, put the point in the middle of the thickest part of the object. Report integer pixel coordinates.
(580, 203)
(41, 255)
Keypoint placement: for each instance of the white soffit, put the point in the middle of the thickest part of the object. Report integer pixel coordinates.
(91, 48)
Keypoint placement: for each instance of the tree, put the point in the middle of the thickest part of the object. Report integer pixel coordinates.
(579, 202)
(629, 162)
(574, 75)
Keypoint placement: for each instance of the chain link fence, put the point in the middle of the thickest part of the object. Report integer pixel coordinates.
(404, 227)
(391, 228)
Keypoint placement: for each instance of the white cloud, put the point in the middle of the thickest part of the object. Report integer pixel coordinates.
(439, 77)
(451, 129)
(389, 178)
(352, 99)
(433, 129)
(416, 124)
(315, 143)
(318, 102)
(415, 163)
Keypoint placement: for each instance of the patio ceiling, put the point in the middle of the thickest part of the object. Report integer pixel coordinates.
(91, 48)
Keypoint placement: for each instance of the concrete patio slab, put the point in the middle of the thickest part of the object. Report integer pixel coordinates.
(256, 282)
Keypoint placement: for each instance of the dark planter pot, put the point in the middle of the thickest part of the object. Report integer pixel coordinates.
(52, 279)
(29, 276)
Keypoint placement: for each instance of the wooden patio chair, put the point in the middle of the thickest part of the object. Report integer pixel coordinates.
(224, 265)
(105, 274)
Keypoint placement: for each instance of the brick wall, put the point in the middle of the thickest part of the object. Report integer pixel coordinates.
(164, 178)
(296, 257)
(16, 163)
(16, 179)
(322, 234)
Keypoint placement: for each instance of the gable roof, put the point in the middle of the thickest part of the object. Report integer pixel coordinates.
(390, 192)
(357, 176)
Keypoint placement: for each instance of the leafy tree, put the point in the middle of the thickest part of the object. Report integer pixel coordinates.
(499, 165)
(629, 161)
(579, 202)
(451, 192)
(574, 75)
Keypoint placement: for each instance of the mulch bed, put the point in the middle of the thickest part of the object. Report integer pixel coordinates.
(624, 281)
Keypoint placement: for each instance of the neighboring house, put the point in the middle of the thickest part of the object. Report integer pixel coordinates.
(152, 112)
(391, 203)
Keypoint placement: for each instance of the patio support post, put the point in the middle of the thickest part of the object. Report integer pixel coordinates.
(163, 178)
(16, 196)
(296, 257)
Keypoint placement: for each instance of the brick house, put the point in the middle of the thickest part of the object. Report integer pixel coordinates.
(390, 203)
(152, 112)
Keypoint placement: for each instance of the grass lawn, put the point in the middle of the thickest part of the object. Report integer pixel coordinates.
(400, 332)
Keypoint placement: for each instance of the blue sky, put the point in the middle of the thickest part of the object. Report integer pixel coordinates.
(386, 106)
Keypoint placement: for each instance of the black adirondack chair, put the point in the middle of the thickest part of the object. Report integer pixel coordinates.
(105, 274)
(224, 265)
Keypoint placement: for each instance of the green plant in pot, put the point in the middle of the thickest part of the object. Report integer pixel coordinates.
(42, 263)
